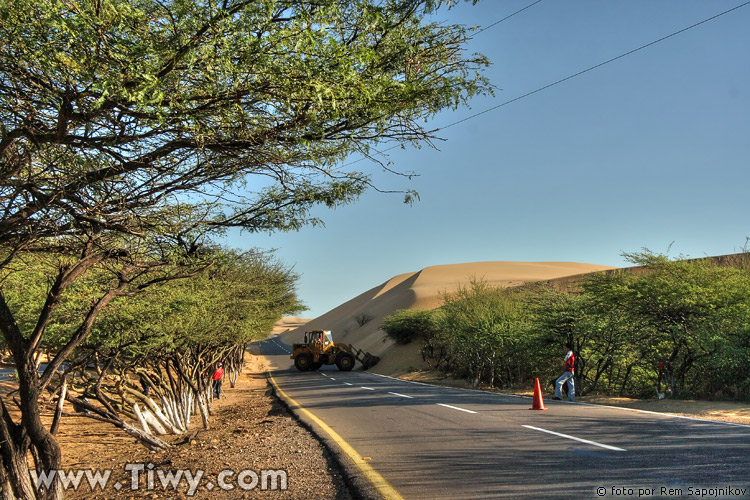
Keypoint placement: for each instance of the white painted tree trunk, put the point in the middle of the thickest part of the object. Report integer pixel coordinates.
(151, 442)
(203, 407)
(141, 420)
(154, 422)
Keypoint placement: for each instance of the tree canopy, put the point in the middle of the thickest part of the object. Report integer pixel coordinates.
(114, 113)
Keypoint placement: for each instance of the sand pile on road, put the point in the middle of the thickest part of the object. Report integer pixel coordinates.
(358, 320)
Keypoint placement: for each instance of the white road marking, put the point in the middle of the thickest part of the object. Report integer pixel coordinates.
(456, 408)
(368, 388)
(332, 378)
(594, 443)
(401, 395)
(347, 383)
(620, 408)
(403, 380)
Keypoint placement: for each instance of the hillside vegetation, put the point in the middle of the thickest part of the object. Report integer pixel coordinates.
(676, 327)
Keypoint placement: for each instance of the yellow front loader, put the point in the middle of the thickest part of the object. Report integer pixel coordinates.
(319, 349)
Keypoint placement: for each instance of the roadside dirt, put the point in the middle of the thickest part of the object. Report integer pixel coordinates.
(250, 430)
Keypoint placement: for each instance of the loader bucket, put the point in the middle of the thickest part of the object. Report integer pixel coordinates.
(368, 361)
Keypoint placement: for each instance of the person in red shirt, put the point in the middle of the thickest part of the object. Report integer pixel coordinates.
(567, 376)
(218, 374)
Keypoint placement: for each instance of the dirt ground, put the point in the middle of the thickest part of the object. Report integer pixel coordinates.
(251, 431)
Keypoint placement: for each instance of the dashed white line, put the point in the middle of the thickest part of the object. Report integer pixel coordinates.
(347, 383)
(368, 388)
(593, 443)
(401, 395)
(456, 408)
(403, 380)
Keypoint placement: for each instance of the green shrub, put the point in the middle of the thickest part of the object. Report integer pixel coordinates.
(407, 324)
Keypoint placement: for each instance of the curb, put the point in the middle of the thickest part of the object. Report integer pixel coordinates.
(359, 486)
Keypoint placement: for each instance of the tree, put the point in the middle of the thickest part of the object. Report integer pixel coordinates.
(691, 308)
(132, 123)
(482, 328)
(171, 338)
(687, 316)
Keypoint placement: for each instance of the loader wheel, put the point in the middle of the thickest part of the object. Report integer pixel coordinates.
(316, 366)
(303, 362)
(345, 361)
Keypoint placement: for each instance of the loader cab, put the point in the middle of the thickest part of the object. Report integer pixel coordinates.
(319, 340)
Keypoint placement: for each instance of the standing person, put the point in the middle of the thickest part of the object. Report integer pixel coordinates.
(145, 385)
(567, 376)
(218, 374)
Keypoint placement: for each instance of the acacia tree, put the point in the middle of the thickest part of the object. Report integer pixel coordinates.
(172, 337)
(151, 119)
(682, 313)
(481, 328)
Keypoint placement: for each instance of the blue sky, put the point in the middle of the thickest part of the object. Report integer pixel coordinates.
(650, 150)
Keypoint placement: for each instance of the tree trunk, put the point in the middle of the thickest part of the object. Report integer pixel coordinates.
(203, 406)
(15, 477)
(141, 420)
(154, 422)
(163, 419)
(186, 406)
(59, 407)
(46, 446)
(625, 380)
(153, 443)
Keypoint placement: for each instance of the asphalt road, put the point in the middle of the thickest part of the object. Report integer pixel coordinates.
(433, 442)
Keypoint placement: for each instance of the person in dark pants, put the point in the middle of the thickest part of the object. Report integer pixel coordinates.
(218, 374)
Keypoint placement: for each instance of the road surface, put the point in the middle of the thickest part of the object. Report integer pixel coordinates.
(433, 442)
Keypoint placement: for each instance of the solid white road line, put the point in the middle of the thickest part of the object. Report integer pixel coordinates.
(401, 395)
(456, 408)
(593, 443)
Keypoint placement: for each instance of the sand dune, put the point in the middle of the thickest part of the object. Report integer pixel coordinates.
(358, 320)
(288, 324)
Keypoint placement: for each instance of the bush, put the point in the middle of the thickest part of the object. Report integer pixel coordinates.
(483, 329)
(407, 324)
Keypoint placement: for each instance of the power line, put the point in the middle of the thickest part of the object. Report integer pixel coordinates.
(507, 17)
(570, 77)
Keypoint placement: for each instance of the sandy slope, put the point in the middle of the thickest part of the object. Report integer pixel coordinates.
(358, 320)
(288, 324)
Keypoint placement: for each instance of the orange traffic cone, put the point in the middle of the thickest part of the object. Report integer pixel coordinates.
(538, 403)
